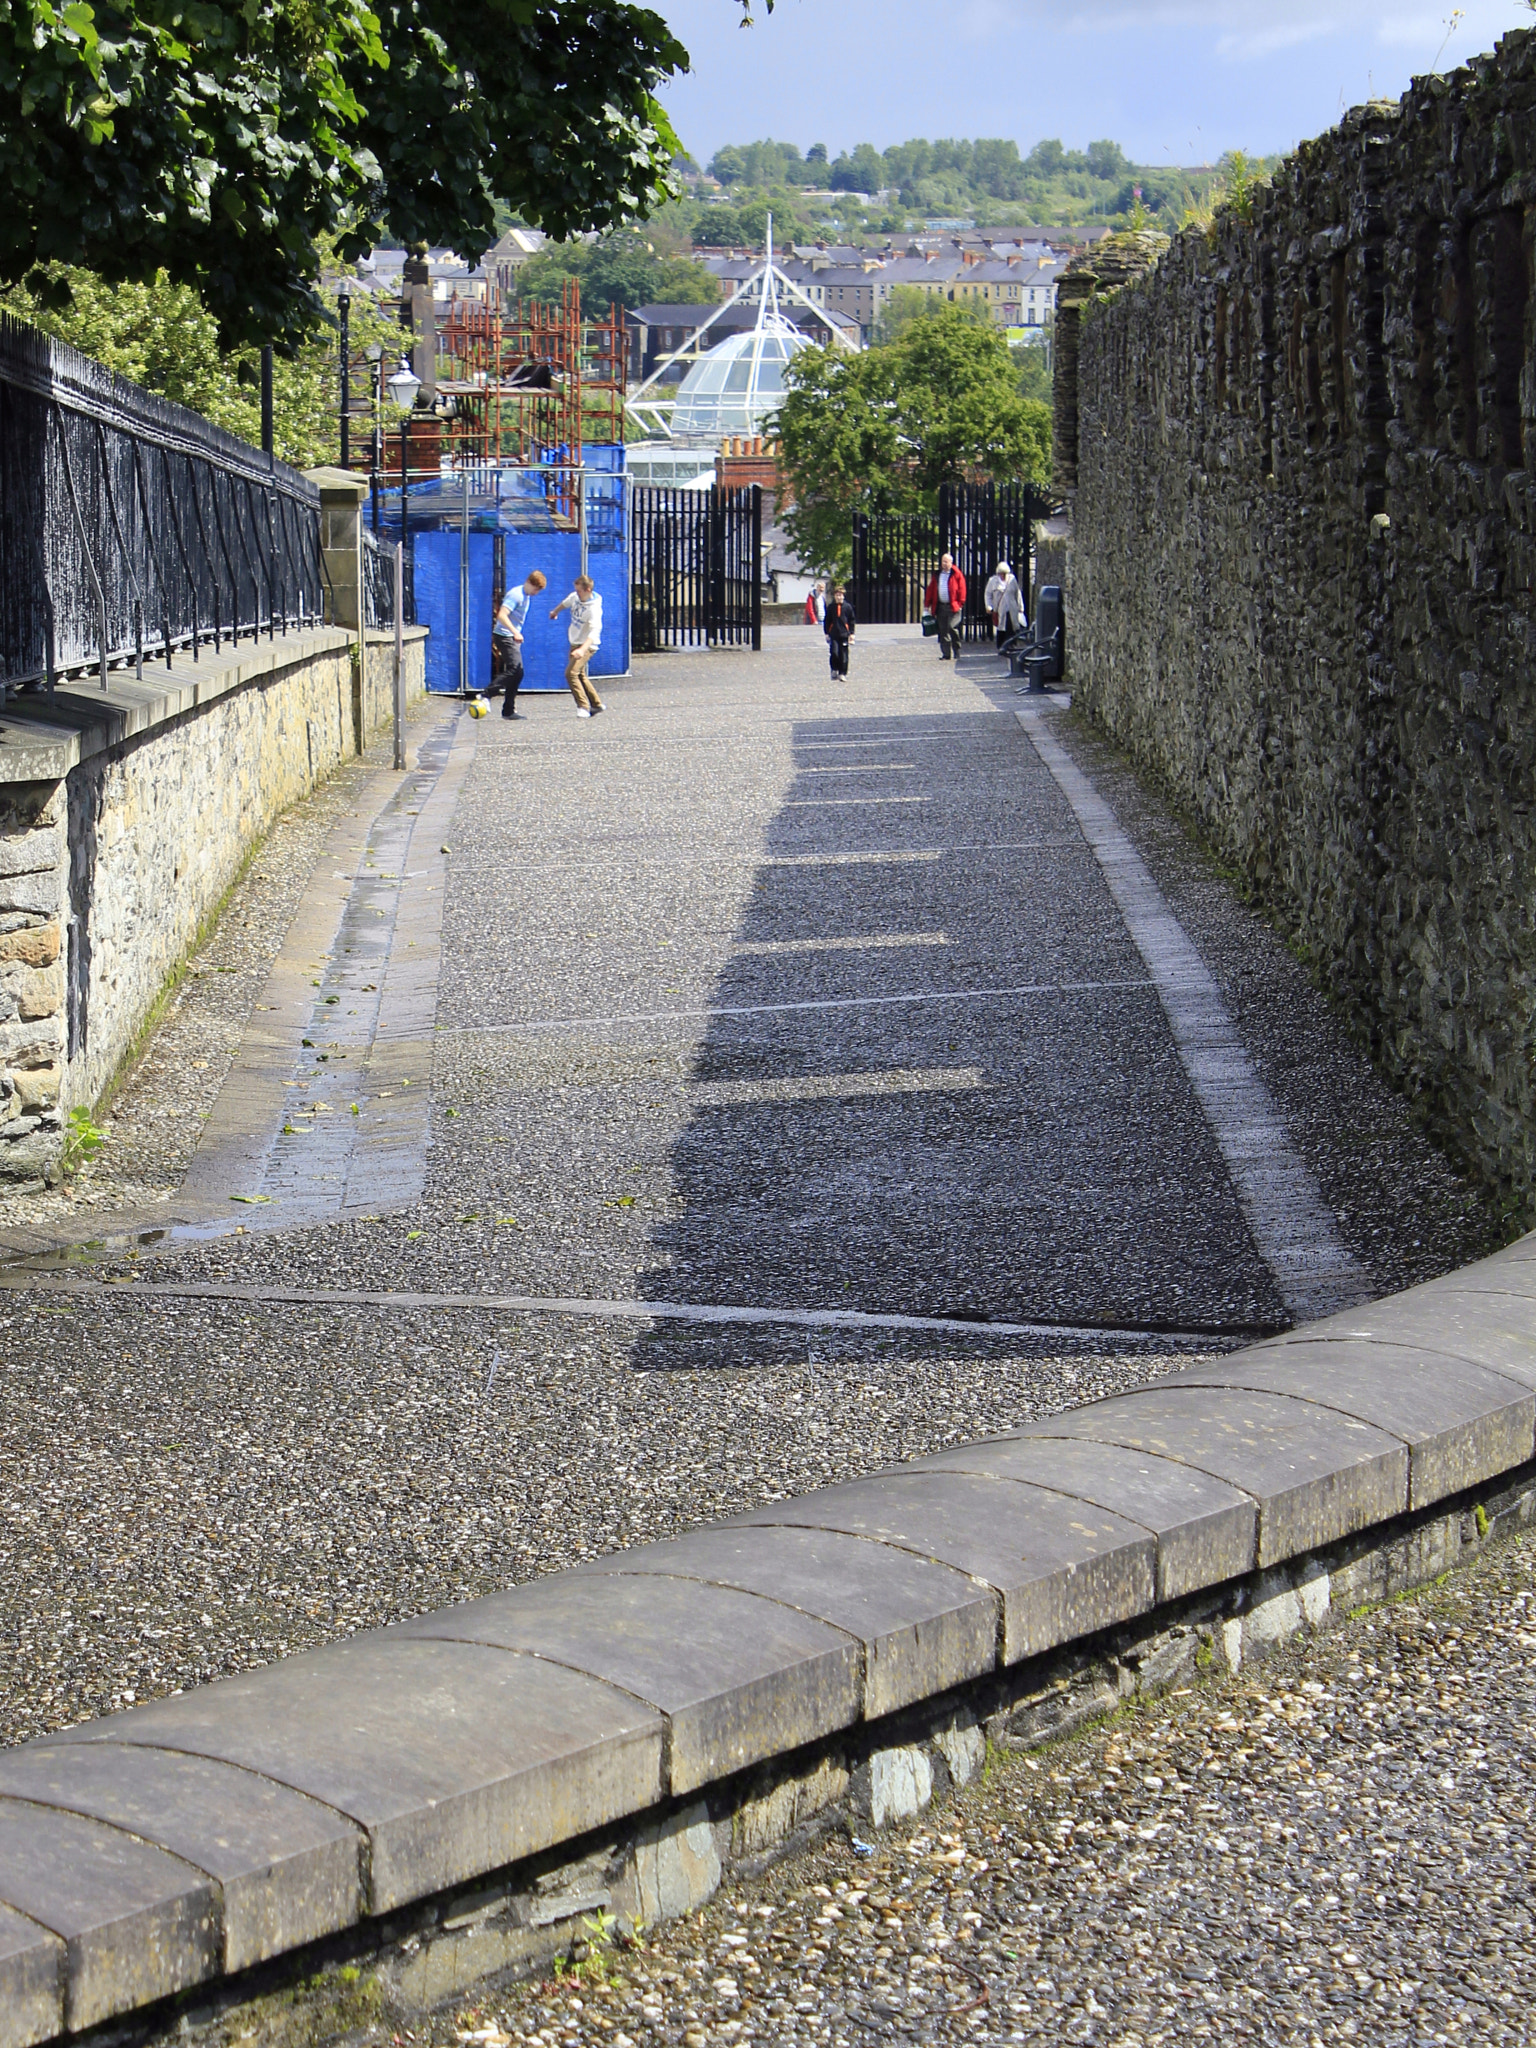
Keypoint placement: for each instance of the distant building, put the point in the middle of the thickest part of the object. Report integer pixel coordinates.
(656, 332)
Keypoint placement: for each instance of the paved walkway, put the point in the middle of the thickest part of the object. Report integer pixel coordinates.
(889, 1069)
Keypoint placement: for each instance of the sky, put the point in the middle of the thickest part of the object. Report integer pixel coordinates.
(1172, 81)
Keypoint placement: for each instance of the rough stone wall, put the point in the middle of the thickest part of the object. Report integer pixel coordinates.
(106, 876)
(1305, 548)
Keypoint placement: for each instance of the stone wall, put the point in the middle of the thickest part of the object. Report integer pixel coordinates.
(123, 819)
(1300, 453)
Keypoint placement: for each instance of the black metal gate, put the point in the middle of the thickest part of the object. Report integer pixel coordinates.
(696, 568)
(894, 554)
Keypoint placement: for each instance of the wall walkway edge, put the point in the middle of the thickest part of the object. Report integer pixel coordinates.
(170, 1846)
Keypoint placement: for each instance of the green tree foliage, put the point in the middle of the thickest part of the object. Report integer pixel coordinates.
(220, 144)
(1033, 364)
(987, 179)
(746, 226)
(625, 268)
(883, 430)
(162, 336)
(908, 302)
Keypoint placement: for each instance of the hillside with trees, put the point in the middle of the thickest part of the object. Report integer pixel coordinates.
(987, 180)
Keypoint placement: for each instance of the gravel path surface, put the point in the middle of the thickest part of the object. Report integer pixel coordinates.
(155, 1118)
(1403, 1208)
(752, 992)
(759, 992)
(193, 1488)
(1335, 1846)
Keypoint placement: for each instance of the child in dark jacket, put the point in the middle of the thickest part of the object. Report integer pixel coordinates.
(839, 626)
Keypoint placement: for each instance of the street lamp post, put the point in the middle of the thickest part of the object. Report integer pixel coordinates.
(404, 388)
(344, 309)
(376, 441)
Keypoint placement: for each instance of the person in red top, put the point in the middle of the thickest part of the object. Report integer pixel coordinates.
(945, 598)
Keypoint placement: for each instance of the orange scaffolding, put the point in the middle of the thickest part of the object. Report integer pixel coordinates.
(529, 382)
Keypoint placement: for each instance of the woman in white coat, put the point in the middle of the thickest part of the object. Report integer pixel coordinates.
(1005, 601)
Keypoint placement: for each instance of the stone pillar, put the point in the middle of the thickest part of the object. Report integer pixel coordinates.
(342, 492)
(1074, 291)
(416, 288)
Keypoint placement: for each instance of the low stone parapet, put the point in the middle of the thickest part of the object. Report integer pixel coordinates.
(441, 1801)
(125, 814)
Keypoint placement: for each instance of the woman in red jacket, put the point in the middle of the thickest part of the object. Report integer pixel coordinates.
(945, 598)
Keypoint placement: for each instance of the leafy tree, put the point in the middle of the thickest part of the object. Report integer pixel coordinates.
(219, 143)
(864, 171)
(746, 226)
(1107, 160)
(729, 165)
(625, 268)
(162, 336)
(718, 227)
(1035, 376)
(882, 431)
(908, 302)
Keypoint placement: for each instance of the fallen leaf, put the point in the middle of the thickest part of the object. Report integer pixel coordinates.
(252, 1198)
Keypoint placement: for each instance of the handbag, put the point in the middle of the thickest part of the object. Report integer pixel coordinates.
(930, 625)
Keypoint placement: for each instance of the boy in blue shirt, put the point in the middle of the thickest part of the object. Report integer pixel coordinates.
(507, 638)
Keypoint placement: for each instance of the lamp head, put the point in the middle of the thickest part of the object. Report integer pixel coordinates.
(404, 385)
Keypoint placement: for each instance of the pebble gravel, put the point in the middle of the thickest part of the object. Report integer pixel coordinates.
(191, 1488)
(156, 1115)
(1404, 1208)
(1334, 1846)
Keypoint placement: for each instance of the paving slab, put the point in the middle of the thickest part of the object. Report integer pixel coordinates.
(1061, 1567)
(454, 1758)
(288, 1869)
(739, 1678)
(1315, 1474)
(1483, 1319)
(1206, 1530)
(1462, 1422)
(924, 1626)
(31, 1982)
(136, 1924)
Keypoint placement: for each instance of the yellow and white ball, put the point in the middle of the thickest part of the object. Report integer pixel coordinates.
(477, 707)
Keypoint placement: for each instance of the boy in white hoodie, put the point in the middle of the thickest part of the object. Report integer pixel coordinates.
(586, 610)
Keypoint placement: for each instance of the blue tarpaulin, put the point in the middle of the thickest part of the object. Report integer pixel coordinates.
(516, 505)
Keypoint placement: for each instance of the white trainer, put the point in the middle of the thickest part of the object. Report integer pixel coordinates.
(582, 714)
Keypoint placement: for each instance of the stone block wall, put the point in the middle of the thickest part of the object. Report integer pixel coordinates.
(1301, 456)
(109, 866)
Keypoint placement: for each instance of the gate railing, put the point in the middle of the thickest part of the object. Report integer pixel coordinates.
(131, 528)
(894, 554)
(695, 568)
(378, 584)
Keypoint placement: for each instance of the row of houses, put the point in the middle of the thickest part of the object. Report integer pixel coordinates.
(846, 286)
(1016, 283)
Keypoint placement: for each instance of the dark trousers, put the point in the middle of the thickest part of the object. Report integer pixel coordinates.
(949, 632)
(508, 677)
(837, 654)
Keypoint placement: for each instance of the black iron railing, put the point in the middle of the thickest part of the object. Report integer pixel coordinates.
(132, 528)
(695, 568)
(895, 554)
(379, 583)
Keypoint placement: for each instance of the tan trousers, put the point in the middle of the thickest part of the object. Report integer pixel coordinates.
(582, 686)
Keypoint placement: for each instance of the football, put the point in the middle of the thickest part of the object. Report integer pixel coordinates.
(477, 707)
